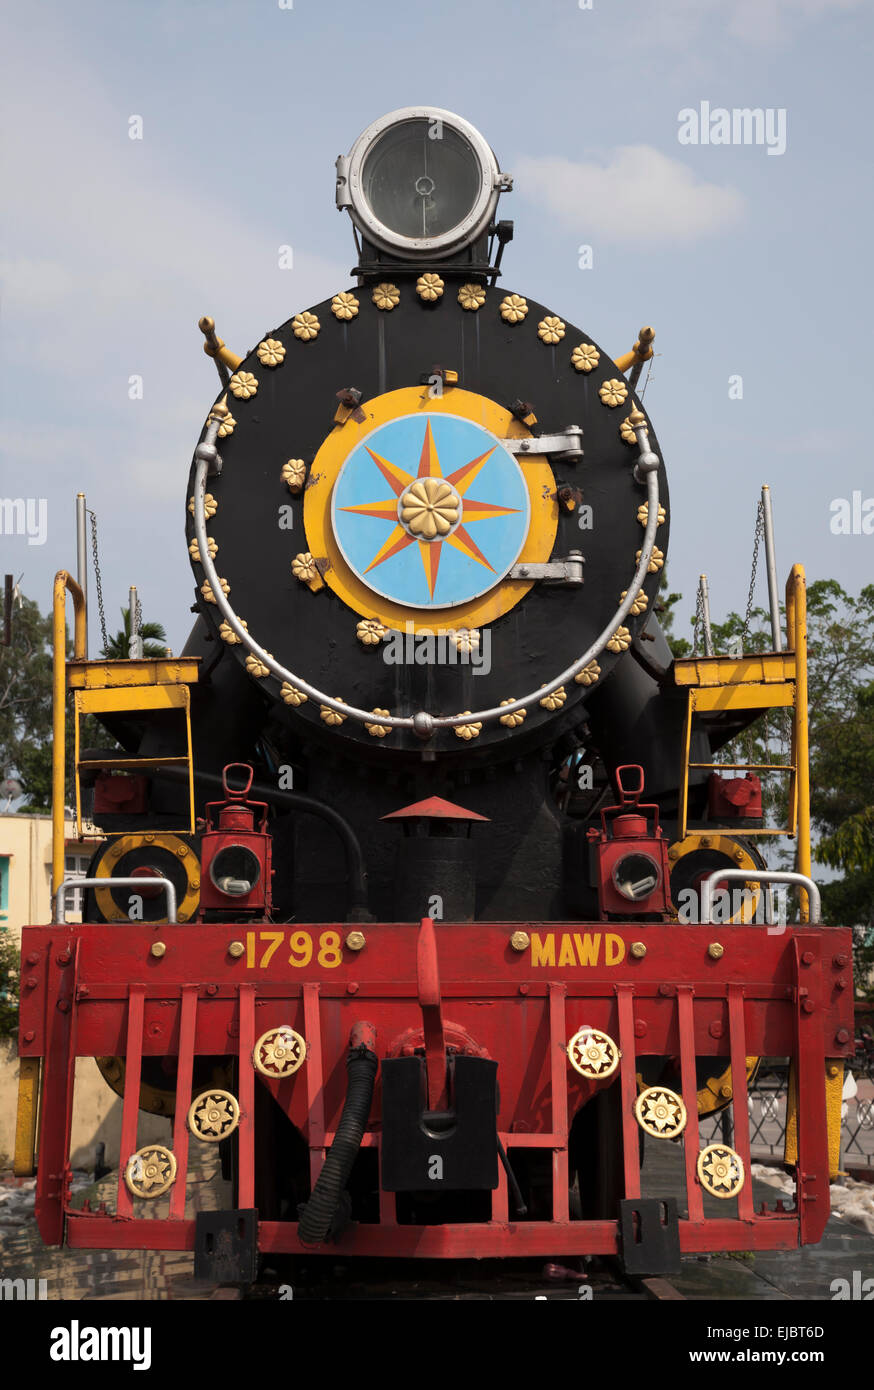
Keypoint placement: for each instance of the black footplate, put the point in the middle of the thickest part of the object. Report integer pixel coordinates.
(226, 1246)
(650, 1235)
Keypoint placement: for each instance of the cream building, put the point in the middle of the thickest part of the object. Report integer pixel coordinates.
(25, 900)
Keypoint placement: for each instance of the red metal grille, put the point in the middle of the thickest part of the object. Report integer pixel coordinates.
(98, 990)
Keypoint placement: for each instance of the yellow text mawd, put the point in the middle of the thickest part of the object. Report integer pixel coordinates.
(577, 948)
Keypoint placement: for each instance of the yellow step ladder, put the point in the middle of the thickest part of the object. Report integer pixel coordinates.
(722, 685)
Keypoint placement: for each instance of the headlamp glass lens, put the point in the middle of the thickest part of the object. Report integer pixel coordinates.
(421, 178)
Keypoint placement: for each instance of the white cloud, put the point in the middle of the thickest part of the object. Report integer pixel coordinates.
(638, 196)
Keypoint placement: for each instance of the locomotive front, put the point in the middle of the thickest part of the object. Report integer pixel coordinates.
(428, 519)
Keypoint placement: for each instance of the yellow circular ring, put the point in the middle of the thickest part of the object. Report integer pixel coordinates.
(651, 1097)
(337, 447)
(587, 1048)
(157, 1153)
(229, 1100)
(161, 840)
(722, 844)
(721, 1155)
(291, 1043)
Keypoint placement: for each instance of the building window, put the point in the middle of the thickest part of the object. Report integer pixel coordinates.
(76, 866)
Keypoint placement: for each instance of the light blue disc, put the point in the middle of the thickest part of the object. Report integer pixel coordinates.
(480, 505)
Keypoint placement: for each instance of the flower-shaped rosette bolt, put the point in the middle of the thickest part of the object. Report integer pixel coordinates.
(613, 392)
(429, 507)
(332, 717)
(255, 666)
(385, 296)
(194, 549)
(472, 297)
(429, 287)
(344, 306)
(294, 474)
(271, 353)
(656, 560)
(643, 514)
(243, 385)
(467, 731)
(620, 641)
(305, 327)
(589, 674)
(379, 730)
(210, 506)
(512, 721)
(370, 633)
(585, 358)
(551, 329)
(555, 699)
(513, 308)
(291, 695)
(206, 589)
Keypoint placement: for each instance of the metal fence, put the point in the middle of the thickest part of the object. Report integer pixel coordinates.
(766, 1104)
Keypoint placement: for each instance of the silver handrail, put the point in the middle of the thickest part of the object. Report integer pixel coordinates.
(758, 876)
(142, 882)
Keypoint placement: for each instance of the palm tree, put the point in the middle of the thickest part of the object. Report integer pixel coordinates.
(118, 647)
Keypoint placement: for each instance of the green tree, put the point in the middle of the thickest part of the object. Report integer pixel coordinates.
(26, 702)
(154, 640)
(9, 982)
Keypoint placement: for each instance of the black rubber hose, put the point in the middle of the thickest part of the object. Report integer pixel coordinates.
(298, 801)
(317, 1217)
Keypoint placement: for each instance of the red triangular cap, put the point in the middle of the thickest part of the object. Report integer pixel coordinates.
(434, 808)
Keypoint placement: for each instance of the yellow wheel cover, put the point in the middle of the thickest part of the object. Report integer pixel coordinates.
(153, 840)
(420, 513)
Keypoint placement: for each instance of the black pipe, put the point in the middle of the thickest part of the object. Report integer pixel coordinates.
(318, 1218)
(299, 801)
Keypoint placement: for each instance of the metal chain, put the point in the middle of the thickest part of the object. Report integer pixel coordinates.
(97, 582)
(699, 622)
(760, 531)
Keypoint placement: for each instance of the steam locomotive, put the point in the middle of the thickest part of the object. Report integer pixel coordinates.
(386, 905)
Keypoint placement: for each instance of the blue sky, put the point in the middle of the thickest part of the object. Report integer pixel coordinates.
(746, 264)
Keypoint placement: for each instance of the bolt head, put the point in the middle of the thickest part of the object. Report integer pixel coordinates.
(524, 989)
(212, 989)
(638, 949)
(666, 990)
(807, 958)
(520, 941)
(639, 1028)
(837, 961)
(352, 987)
(841, 1035)
(673, 852)
(33, 958)
(29, 1035)
(236, 949)
(716, 950)
(807, 1006)
(356, 941)
(715, 1030)
(157, 949)
(725, 1092)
